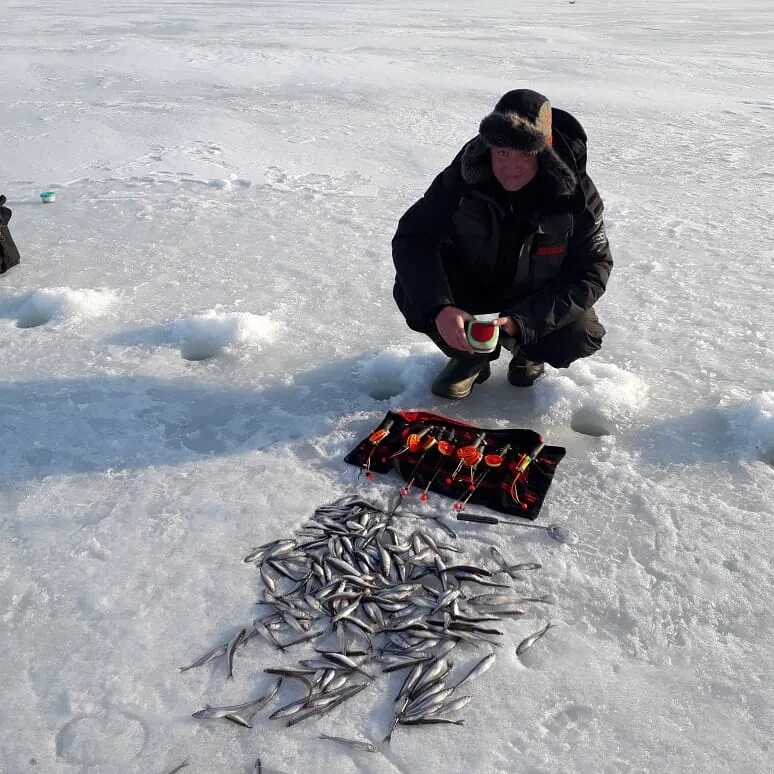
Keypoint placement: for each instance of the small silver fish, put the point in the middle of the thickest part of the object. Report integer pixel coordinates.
(260, 628)
(426, 704)
(211, 713)
(446, 599)
(428, 539)
(231, 650)
(342, 566)
(495, 600)
(344, 660)
(441, 522)
(290, 709)
(321, 704)
(455, 705)
(444, 647)
(354, 743)
(478, 669)
(528, 642)
(348, 610)
(374, 613)
(399, 708)
(502, 612)
(385, 560)
(398, 663)
(305, 638)
(524, 566)
(498, 557)
(432, 673)
(338, 682)
(245, 711)
(268, 581)
(274, 548)
(410, 681)
(296, 674)
(206, 658)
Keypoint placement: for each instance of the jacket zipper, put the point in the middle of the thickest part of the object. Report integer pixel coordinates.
(522, 267)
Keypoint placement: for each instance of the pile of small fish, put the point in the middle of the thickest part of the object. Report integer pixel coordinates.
(394, 599)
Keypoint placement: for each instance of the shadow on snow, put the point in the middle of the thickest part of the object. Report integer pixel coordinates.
(74, 426)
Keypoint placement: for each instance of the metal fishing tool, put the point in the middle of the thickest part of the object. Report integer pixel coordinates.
(491, 461)
(526, 459)
(376, 439)
(446, 449)
(556, 531)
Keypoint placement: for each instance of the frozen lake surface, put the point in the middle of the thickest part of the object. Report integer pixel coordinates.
(202, 326)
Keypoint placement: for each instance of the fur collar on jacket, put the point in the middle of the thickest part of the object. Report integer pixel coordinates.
(476, 167)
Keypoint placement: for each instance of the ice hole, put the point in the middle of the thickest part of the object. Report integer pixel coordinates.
(590, 422)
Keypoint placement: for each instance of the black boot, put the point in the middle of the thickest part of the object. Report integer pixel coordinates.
(523, 372)
(461, 373)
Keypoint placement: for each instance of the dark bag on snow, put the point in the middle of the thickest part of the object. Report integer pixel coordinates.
(9, 254)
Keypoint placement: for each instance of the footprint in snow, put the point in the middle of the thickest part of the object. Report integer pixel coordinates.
(570, 721)
(114, 738)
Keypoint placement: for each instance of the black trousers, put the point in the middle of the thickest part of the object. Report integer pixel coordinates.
(581, 338)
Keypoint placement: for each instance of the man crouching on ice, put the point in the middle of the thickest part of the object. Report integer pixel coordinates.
(512, 226)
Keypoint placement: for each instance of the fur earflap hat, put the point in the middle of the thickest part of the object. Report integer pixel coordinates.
(522, 119)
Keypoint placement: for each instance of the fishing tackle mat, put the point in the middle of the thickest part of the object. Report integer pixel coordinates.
(507, 470)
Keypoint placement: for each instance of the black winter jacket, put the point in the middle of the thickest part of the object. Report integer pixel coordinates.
(540, 255)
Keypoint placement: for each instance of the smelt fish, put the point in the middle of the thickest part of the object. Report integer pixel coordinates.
(354, 743)
(478, 669)
(528, 642)
(231, 649)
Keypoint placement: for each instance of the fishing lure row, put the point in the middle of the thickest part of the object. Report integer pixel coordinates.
(506, 470)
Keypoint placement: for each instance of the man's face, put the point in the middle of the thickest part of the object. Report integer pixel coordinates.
(513, 168)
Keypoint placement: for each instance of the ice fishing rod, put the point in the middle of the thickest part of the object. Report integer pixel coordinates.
(527, 459)
(520, 473)
(413, 442)
(491, 461)
(375, 439)
(469, 456)
(430, 440)
(446, 449)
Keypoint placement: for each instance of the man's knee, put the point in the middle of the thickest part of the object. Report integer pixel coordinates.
(581, 338)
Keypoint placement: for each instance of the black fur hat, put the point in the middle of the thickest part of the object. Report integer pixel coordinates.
(521, 119)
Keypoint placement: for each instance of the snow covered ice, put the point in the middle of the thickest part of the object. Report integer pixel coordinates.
(202, 326)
